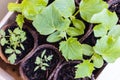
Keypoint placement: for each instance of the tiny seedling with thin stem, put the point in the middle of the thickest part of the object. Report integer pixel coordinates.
(42, 61)
(13, 41)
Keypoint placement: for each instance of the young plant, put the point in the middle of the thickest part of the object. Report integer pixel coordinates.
(13, 41)
(42, 61)
(60, 22)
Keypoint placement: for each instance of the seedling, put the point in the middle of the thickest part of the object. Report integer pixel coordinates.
(42, 61)
(13, 41)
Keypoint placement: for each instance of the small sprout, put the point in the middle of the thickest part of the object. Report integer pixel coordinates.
(42, 61)
(13, 41)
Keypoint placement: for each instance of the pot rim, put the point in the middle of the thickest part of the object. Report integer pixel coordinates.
(38, 48)
(32, 32)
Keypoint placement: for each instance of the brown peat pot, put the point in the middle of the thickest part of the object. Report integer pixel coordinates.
(27, 66)
(29, 44)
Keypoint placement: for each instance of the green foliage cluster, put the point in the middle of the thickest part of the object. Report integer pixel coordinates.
(13, 41)
(55, 21)
(42, 61)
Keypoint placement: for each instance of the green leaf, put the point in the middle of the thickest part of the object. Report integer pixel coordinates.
(84, 69)
(29, 8)
(21, 45)
(36, 68)
(45, 64)
(38, 60)
(100, 30)
(87, 49)
(49, 57)
(63, 34)
(108, 48)
(54, 37)
(66, 8)
(79, 28)
(14, 7)
(87, 10)
(17, 31)
(13, 38)
(65, 23)
(23, 36)
(43, 53)
(78, 24)
(2, 33)
(115, 31)
(105, 17)
(3, 41)
(43, 68)
(71, 49)
(12, 58)
(9, 51)
(97, 61)
(10, 31)
(71, 31)
(49, 21)
(45, 57)
(20, 20)
(17, 51)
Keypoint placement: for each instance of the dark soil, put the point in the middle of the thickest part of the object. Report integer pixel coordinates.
(114, 5)
(29, 65)
(50, 1)
(67, 71)
(28, 44)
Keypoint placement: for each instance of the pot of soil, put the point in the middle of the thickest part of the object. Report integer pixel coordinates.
(17, 43)
(38, 66)
(66, 71)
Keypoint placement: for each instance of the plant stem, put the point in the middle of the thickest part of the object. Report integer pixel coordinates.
(87, 33)
(76, 13)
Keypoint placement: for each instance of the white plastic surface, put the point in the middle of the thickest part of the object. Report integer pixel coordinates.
(111, 71)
